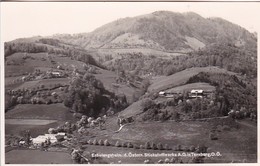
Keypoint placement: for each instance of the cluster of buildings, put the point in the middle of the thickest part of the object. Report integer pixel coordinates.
(47, 137)
(194, 93)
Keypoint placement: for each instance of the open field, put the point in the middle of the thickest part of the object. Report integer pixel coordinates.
(28, 121)
(37, 157)
(182, 77)
(46, 82)
(30, 111)
(233, 145)
(36, 118)
(35, 129)
(108, 78)
(19, 65)
(189, 87)
(133, 109)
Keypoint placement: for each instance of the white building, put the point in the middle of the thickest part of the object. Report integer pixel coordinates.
(42, 138)
(196, 93)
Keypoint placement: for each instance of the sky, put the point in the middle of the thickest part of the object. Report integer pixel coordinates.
(27, 19)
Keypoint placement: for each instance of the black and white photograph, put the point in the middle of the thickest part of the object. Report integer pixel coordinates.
(129, 82)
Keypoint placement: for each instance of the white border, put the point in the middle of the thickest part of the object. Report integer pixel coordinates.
(2, 83)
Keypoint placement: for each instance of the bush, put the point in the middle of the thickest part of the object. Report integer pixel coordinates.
(130, 145)
(106, 143)
(186, 149)
(95, 142)
(90, 142)
(167, 161)
(213, 136)
(49, 101)
(192, 148)
(142, 147)
(172, 160)
(153, 146)
(226, 128)
(160, 146)
(101, 142)
(147, 145)
(124, 144)
(179, 148)
(167, 147)
(117, 144)
(147, 103)
(137, 147)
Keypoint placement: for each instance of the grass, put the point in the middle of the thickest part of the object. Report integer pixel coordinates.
(35, 130)
(28, 121)
(189, 87)
(182, 77)
(108, 78)
(38, 61)
(37, 157)
(46, 82)
(31, 111)
(237, 144)
(132, 110)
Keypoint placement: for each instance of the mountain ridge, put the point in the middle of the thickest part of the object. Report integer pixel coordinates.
(165, 30)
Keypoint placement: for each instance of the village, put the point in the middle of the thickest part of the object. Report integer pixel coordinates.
(74, 137)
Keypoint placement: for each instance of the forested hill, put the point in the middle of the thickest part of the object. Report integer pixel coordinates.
(165, 31)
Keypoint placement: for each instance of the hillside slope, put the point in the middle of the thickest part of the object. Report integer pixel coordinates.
(182, 77)
(163, 30)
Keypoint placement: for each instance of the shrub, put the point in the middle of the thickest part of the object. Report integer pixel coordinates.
(90, 142)
(106, 143)
(147, 103)
(147, 161)
(179, 148)
(160, 146)
(130, 145)
(172, 160)
(137, 147)
(142, 147)
(49, 101)
(192, 148)
(167, 147)
(186, 149)
(153, 146)
(167, 161)
(124, 144)
(226, 128)
(95, 142)
(213, 136)
(101, 142)
(147, 145)
(117, 144)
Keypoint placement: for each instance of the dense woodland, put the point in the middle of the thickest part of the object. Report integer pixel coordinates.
(223, 55)
(51, 46)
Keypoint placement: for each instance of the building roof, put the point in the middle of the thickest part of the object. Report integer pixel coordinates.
(161, 93)
(196, 91)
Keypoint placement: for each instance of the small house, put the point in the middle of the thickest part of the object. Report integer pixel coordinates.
(196, 93)
(162, 93)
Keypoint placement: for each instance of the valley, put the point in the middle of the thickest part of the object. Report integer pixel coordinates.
(173, 84)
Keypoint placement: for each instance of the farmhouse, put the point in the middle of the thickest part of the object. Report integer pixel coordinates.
(162, 93)
(56, 74)
(196, 93)
(42, 138)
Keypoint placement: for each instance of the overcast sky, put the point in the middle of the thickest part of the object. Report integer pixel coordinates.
(26, 19)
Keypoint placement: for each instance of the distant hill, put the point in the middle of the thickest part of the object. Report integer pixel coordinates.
(165, 31)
